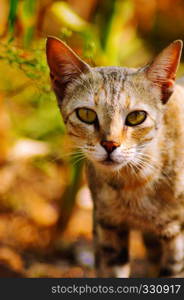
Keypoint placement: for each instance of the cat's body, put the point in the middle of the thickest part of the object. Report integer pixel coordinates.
(135, 170)
(153, 201)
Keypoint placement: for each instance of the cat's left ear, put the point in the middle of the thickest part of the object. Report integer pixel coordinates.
(162, 71)
(65, 66)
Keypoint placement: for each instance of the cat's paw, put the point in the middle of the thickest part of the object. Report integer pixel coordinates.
(165, 273)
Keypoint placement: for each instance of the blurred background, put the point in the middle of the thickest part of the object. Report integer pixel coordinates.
(45, 205)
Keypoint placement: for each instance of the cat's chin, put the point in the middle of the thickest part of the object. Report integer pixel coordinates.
(109, 165)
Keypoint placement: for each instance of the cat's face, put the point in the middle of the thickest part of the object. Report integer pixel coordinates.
(112, 114)
(111, 117)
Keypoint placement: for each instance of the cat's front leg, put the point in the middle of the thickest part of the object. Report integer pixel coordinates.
(154, 253)
(111, 250)
(172, 263)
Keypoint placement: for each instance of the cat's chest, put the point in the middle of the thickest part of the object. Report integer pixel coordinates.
(141, 207)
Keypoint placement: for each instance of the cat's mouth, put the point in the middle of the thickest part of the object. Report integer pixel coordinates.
(109, 162)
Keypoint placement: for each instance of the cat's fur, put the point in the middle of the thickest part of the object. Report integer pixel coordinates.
(143, 188)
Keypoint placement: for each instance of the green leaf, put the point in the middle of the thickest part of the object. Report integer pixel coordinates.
(12, 15)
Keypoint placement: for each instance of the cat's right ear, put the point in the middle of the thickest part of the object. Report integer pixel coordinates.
(65, 66)
(162, 71)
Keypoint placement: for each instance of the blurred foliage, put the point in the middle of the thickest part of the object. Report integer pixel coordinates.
(39, 181)
(12, 14)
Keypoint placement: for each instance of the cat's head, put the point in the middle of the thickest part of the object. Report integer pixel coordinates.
(113, 114)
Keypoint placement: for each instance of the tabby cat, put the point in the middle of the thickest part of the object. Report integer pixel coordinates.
(129, 123)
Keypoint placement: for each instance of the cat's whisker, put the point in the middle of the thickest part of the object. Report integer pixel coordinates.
(58, 157)
(132, 169)
(139, 168)
(74, 154)
(148, 157)
(145, 159)
(145, 164)
(153, 164)
(78, 160)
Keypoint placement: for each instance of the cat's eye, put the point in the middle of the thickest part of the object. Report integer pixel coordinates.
(86, 115)
(135, 118)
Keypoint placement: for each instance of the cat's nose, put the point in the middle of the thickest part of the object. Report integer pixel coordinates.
(109, 145)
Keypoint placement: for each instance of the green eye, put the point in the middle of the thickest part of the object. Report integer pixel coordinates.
(135, 118)
(86, 115)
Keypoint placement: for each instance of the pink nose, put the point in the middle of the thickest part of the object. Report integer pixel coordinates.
(109, 145)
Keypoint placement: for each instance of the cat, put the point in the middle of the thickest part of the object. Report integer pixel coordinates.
(129, 123)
